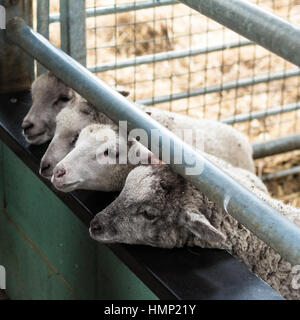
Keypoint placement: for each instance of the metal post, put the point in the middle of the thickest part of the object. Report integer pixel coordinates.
(16, 68)
(42, 25)
(268, 224)
(72, 29)
(251, 21)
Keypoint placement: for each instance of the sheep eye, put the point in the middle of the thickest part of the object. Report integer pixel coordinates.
(85, 112)
(64, 99)
(74, 139)
(148, 215)
(106, 153)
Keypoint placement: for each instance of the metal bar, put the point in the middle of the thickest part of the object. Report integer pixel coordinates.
(42, 25)
(276, 146)
(261, 113)
(267, 223)
(220, 87)
(73, 30)
(163, 56)
(124, 7)
(16, 68)
(281, 173)
(254, 23)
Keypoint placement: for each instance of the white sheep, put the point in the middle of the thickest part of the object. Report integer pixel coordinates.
(159, 208)
(69, 122)
(94, 162)
(50, 95)
(216, 137)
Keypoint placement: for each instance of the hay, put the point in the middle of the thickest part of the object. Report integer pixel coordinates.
(111, 38)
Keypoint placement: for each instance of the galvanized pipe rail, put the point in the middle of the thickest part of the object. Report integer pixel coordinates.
(276, 146)
(120, 8)
(176, 54)
(240, 83)
(43, 8)
(268, 224)
(281, 173)
(72, 29)
(254, 23)
(260, 114)
(168, 55)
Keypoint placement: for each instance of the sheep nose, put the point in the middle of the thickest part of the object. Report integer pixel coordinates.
(26, 125)
(95, 227)
(59, 173)
(45, 168)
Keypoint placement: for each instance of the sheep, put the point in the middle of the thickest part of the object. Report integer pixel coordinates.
(69, 122)
(94, 162)
(50, 95)
(80, 169)
(159, 208)
(216, 136)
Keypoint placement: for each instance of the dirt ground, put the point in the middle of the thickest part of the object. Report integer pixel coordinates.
(113, 38)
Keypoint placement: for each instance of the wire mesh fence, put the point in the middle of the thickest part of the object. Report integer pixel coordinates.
(176, 59)
(219, 76)
(172, 57)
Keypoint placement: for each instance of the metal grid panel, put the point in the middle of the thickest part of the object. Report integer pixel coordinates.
(181, 61)
(176, 59)
(208, 70)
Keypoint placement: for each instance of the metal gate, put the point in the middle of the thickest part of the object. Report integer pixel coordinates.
(172, 57)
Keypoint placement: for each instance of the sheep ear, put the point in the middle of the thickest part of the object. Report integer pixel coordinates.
(198, 224)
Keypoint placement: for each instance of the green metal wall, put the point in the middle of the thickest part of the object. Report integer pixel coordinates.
(46, 249)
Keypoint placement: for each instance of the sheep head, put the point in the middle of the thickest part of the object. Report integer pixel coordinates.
(153, 209)
(95, 162)
(50, 95)
(69, 122)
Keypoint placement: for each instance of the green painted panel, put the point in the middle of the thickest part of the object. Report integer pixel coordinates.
(1, 176)
(50, 225)
(48, 250)
(115, 281)
(28, 276)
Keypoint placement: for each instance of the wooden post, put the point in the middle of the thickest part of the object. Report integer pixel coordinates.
(16, 67)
